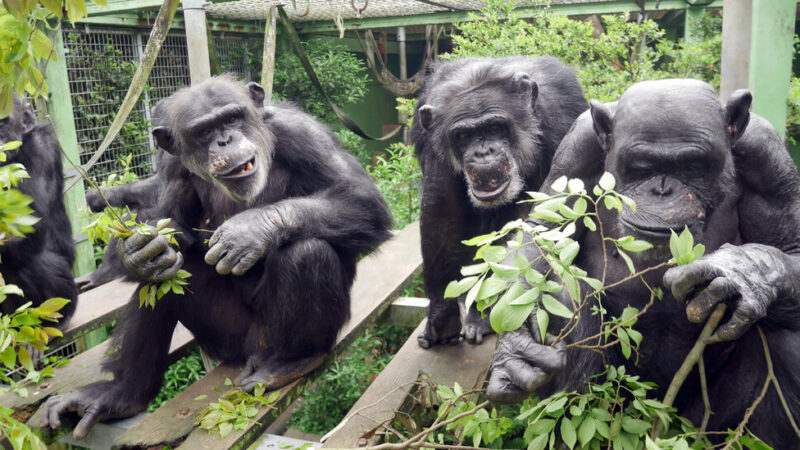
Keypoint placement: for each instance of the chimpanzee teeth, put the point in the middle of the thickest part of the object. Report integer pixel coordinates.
(248, 167)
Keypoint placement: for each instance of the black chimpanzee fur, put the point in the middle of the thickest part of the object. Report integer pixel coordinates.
(41, 262)
(687, 161)
(485, 132)
(289, 212)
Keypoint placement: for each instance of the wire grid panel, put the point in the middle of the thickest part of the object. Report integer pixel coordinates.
(100, 66)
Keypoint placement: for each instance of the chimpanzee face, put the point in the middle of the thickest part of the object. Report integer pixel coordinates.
(669, 147)
(480, 133)
(217, 131)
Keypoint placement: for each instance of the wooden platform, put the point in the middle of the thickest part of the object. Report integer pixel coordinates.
(463, 363)
(380, 278)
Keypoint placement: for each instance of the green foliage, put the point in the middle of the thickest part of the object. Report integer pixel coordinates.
(338, 388)
(18, 434)
(625, 53)
(398, 176)
(179, 375)
(793, 117)
(234, 410)
(683, 249)
(342, 74)
(24, 48)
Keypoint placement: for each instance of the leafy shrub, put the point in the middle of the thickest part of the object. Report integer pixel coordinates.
(397, 175)
(180, 375)
(342, 74)
(337, 390)
(355, 145)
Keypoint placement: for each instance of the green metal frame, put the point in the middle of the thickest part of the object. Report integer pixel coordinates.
(60, 109)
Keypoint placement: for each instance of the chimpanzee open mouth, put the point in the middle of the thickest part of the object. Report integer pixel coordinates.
(489, 194)
(242, 170)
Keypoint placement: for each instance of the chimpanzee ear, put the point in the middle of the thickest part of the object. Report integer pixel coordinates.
(425, 115)
(737, 113)
(165, 141)
(27, 119)
(256, 93)
(602, 121)
(525, 86)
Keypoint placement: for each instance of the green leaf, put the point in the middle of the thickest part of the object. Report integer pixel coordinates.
(55, 6)
(555, 405)
(456, 288)
(555, 307)
(527, 298)
(634, 426)
(611, 202)
(568, 432)
(589, 223)
(586, 430)
(542, 320)
(25, 359)
(539, 443)
(8, 357)
(76, 9)
(491, 253)
(575, 185)
(504, 270)
(579, 206)
(42, 47)
(625, 344)
(548, 216)
(568, 253)
(636, 246)
(628, 261)
(606, 181)
(491, 286)
(474, 269)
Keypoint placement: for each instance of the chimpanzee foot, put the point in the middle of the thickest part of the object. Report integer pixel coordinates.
(93, 403)
(274, 372)
(476, 327)
(441, 331)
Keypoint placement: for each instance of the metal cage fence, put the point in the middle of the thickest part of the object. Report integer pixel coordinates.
(101, 63)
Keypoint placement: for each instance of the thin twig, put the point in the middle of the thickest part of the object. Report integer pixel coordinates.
(701, 369)
(424, 433)
(771, 375)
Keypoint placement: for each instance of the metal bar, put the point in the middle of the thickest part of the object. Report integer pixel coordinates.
(196, 40)
(268, 57)
(772, 38)
(179, 23)
(736, 23)
(60, 110)
(575, 9)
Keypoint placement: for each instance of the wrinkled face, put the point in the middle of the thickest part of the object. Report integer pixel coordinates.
(674, 161)
(482, 146)
(222, 139)
(479, 131)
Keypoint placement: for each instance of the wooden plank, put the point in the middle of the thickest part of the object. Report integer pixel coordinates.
(380, 277)
(84, 369)
(463, 363)
(407, 311)
(97, 307)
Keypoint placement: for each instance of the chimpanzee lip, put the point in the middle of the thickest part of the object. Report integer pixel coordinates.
(240, 170)
(658, 232)
(490, 195)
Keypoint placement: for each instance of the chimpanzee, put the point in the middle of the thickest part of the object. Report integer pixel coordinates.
(287, 211)
(687, 161)
(41, 262)
(485, 132)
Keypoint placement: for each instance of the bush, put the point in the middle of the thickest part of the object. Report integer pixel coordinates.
(397, 175)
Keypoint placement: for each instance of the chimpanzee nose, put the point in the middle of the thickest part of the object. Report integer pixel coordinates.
(224, 139)
(662, 189)
(485, 153)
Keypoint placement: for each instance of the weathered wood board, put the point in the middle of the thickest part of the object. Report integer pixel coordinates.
(463, 363)
(380, 277)
(98, 307)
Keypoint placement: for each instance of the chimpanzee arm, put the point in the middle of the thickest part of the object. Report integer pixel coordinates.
(765, 270)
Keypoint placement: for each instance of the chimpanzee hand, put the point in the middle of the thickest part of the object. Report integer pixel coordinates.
(242, 240)
(93, 403)
(149, 257)
(522, 364)
(751, 277)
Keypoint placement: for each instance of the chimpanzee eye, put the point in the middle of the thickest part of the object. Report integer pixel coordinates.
(233, 119)
(206, 132)
(495, 129)
(462, 136)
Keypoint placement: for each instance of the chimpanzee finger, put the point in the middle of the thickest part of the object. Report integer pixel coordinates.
(55, 407)
(171, 271)
(502, 390)
(248, 370)
(245, 263)
(225, 264)
(138, 240)
(90, 417)
(549, 359)
(524, 375)
(719, 290)
(214, 254)
(684, 279)
(214, 238)
(743, 317)
(150, 250)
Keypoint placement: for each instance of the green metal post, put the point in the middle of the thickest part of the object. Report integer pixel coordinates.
(771, 59)
(693, 16)
(60, 110)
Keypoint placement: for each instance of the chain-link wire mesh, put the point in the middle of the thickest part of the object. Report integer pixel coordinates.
(100, 66)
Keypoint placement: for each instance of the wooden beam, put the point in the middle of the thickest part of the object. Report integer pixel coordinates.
(60, 109)
(196, 40)
(122, 7)
(573, 9)
(179, 23)
(735, 65)
(268, 57)
(771, 49)
(407, 311)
